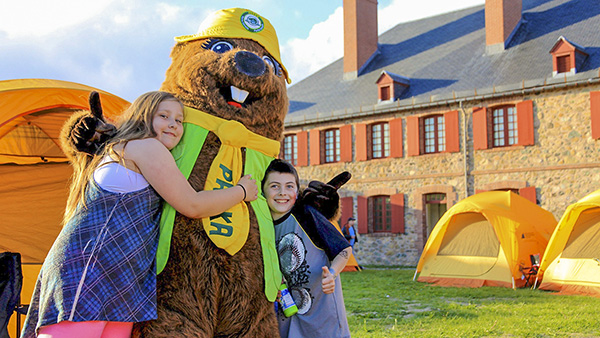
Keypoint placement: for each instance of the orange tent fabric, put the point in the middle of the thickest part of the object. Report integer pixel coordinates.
(34, 172)
(485, 239)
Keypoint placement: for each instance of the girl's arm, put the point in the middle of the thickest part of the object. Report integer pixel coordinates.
(337, 265)
(157, 165)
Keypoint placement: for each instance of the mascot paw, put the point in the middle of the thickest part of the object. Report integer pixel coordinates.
(90, 131)
(324, 196)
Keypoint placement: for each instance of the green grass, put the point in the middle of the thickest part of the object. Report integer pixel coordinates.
(387, 303)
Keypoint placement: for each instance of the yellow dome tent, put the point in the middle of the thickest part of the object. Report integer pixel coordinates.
(34, 172)
(571, 263)
(485, 239)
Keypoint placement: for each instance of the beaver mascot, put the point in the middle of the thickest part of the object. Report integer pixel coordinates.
(218, 277)
(222, 273)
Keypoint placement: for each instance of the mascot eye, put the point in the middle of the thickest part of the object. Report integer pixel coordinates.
(273, 64)
(221, 47)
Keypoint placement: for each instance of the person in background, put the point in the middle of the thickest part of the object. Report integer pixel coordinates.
(349, 231)
(312, 253)
(99, 277)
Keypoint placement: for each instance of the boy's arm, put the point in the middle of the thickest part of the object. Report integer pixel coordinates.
(330, 274)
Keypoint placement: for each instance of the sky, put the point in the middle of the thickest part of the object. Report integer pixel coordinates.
(123, 46)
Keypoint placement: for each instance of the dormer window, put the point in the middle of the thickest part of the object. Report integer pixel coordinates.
(567, 57)
(391, 86)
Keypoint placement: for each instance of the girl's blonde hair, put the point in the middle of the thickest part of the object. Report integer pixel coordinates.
(134, 124)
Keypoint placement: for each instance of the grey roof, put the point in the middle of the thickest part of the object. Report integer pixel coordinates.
(445, 57)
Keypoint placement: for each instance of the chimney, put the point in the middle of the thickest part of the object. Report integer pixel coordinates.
(502, 19)
(360, 35)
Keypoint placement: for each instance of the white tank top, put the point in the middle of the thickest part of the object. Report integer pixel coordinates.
(116, 178)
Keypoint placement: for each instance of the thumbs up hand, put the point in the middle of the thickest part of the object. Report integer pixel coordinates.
(328, 282)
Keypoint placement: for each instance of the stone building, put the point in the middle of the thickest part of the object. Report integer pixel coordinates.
(502, 96)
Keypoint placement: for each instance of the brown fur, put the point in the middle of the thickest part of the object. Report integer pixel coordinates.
(203, 291)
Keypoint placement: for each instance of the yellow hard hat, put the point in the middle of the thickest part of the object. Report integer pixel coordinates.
(239, 23)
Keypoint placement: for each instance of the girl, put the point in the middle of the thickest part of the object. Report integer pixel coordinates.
(100, 274)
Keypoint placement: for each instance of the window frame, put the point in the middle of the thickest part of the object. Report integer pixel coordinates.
(508, 126)
(331, 144)
(383, 138)
(293, 149)
(382, 220)
(439, 139)
(563, 61)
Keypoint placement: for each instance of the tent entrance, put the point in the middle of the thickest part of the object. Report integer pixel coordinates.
(585, 236)
(469, 248)
(470, 234)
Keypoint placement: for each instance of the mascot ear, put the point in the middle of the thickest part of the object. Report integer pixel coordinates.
(87, 132)
(324, 196)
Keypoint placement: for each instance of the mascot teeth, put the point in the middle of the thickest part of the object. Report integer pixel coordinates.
(238, 95)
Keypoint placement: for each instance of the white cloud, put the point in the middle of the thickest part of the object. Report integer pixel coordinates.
(27, 18)
(404, 11)
(324, 44)
(168, 13)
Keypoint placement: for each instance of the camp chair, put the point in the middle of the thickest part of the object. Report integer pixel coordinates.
(530, 272)
(11, 281)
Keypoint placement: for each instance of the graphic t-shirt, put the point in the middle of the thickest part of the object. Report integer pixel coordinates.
(307, 241)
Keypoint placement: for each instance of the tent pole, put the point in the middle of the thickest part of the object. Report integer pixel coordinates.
(513, 282)
(415, 276)
(535, 283)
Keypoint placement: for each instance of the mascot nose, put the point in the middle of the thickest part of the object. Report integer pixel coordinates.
(249, 63)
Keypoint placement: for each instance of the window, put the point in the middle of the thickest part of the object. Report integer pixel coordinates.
(508, 125)
(384, 93)
(380, 140)
(331, 138)
(382, 213)
(563, 64)
(290, 149)
(504, 126)
(434, 134)
(435, 207)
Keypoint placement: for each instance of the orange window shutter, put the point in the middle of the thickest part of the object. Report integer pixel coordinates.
(302, 138)
(347, 209)
(595, 110)
(525, 123)
(480, 132)
(315, 147)
(361, 141)
(363, 215)
(397, 202)
(396, 138)
(529, 193)
(452, 132)
(346, 143)
(412, 136)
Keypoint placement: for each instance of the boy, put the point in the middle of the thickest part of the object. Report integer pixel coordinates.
(312, 252)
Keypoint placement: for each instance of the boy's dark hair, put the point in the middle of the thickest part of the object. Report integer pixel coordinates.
(280, 166)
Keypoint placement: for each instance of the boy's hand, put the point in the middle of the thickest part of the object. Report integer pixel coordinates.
(250, 188)
(328, 282)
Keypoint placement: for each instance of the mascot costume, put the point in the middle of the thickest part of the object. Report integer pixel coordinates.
(219, 276)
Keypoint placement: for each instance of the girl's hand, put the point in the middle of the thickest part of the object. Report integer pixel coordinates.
(250, 188)
(328, 282)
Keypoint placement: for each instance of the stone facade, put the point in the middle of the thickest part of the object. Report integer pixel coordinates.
(563, 165)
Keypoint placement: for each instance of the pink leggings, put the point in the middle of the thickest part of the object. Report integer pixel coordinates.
(91, 329)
